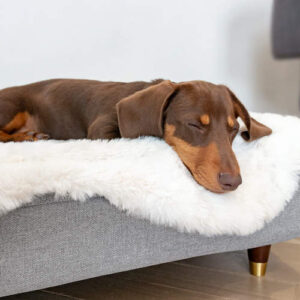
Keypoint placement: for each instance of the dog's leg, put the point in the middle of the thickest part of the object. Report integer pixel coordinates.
(11, 115)
(4, 137)
(17, 130)
(29, 136)
(104, 127)
(14, 125)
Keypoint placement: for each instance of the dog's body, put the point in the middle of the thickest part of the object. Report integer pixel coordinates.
(198, 119)
(66, 108)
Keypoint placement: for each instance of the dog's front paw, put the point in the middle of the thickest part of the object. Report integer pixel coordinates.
(36, 136)
(29, 136)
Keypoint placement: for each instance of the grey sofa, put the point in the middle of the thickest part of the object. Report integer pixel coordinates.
(53, 242)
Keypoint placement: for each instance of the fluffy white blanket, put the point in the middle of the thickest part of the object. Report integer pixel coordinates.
(146, 178)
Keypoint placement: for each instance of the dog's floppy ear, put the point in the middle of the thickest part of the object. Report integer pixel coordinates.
(255, 130)
(141, 113)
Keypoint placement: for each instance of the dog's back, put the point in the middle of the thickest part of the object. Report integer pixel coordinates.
(62, 108)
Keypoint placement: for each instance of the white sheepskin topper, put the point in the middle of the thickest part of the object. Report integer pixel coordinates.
(146, 178)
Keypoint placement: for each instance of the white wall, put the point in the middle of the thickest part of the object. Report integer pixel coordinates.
(223, 41)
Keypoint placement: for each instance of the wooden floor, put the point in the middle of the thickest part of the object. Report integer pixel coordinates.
(221, 276)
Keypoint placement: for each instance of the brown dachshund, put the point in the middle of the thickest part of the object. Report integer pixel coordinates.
(196, 118)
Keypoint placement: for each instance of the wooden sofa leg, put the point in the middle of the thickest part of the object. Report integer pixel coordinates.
(258, 259)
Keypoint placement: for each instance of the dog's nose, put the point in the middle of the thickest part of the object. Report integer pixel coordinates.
(229, 182)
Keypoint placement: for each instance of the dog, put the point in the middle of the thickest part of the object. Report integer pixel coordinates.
(197, 119)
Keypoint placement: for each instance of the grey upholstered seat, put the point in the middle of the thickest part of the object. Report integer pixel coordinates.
(52, 243)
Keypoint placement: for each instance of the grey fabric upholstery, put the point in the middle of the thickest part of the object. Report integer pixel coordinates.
(57, 242)
(286, 28)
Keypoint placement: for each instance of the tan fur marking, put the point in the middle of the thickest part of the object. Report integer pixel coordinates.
(22, 122)
(203, 162)
(17, 122)
(205, 119)
(4, 137)
(230, 121)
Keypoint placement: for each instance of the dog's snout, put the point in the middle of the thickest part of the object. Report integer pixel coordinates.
(229, 182)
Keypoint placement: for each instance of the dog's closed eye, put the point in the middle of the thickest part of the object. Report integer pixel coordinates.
(197, 126)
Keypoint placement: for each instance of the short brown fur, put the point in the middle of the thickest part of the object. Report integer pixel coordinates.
(197, 118)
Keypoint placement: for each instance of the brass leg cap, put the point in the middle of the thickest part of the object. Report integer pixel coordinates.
(257, 269)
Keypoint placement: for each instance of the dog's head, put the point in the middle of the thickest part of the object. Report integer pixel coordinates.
(196, 118)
